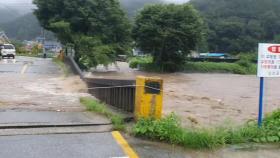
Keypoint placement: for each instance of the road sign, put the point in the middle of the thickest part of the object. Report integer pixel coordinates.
(269, 60)
(268, 66)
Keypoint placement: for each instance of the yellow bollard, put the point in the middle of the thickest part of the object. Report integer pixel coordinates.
(149, 97)
(61, 55)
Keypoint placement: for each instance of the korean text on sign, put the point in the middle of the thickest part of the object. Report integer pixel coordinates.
(269, 60)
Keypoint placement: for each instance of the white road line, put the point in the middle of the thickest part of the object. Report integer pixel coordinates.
(24, 68)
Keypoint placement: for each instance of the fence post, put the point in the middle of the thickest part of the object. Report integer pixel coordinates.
(149, 97)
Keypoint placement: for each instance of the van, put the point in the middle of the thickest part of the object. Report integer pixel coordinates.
(8, 50)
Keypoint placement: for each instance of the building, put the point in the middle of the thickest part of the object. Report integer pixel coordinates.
(3, 38)
(52, 46)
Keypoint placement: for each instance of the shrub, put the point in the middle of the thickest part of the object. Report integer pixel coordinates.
(169, 129)
(96, 106)
(246, 59)
(214, 67)
(270, 129)
(210, 67)
(141, 61)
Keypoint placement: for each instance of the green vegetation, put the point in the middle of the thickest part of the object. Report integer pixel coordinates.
(99, 30)
(21, 51)
(141, 61)
(246, 65)
(212, 67)
(239, 25)
(62, 66)
(271, 129)
(169, 129)
(168, 33)
(96, 106)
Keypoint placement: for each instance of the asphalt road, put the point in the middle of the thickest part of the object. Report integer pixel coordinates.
(28, 65)
(39, 119)
(94, 145)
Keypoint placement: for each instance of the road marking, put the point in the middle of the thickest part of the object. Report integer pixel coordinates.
(125, 146)
(24, 68)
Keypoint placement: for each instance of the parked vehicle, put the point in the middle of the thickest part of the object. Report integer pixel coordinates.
(8, 50)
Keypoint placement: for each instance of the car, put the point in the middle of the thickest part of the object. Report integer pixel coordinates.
(8, 50)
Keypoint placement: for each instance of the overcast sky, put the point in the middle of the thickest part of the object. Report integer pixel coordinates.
(177, 1)
(24, 6)
(30, 1)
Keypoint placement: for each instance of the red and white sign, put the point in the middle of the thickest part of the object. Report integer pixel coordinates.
(269, 60)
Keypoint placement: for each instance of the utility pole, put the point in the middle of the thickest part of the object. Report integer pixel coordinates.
(43, 43)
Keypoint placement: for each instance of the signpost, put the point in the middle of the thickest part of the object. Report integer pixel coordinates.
(268, 66)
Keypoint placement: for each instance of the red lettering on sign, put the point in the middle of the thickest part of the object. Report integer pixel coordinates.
(274, 49)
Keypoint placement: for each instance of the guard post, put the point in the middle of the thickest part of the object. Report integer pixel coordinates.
(61, 55)
(149, 97)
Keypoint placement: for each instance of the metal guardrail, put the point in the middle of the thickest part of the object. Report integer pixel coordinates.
(74, 66)
(117, 93)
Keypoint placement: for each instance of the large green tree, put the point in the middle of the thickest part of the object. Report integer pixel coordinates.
(97, 28)
(239, 25)
(168, 33)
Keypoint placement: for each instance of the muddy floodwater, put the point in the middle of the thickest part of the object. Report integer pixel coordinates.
(208, 99)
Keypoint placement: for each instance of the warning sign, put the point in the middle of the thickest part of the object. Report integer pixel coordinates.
(269, 60)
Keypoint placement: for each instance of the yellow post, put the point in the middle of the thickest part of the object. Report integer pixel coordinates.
(61, 55)
(149, 97)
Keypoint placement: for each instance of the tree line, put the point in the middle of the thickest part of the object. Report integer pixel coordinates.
(100, 30)
(236, 26)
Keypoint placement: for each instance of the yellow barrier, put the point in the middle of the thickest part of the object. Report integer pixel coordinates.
(149, 97)
(61, 55)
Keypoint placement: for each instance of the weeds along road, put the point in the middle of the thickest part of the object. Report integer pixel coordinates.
(41, 116)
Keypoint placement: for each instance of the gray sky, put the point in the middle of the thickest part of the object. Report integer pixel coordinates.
(30, 1)
(177, 1)
(21, 6)
(24, 6)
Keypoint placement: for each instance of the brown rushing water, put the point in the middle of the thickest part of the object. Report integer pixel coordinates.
(209, 99)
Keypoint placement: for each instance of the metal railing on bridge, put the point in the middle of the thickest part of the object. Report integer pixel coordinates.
(117, 93)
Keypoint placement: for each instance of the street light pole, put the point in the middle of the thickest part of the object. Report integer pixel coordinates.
(43, 43)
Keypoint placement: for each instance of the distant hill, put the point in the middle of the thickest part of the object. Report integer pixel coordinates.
(23, 28)
(8, 14)
(132, 6)
(26, 27)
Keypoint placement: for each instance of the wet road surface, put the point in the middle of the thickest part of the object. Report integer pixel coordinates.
(148, 149)
(94, 145)
(41, 116)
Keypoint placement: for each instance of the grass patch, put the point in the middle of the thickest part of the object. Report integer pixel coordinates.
(245, 66)
(169, 129)
(134, 62)
(98, 107)
(210, 67)
(62, 66)
(28, 55)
